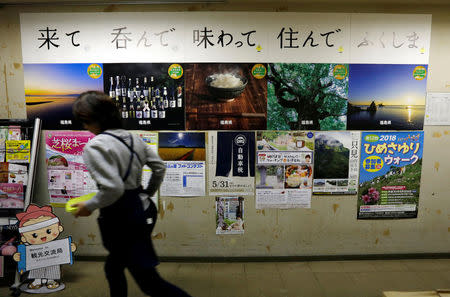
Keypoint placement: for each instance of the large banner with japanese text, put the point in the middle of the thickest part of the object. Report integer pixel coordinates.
(390, 171)
(289, 37)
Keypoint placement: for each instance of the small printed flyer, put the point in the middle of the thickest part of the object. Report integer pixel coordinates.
(336, 162)
(284, 169)
(11, 195)
(184, 154)
(390, 171)
(231, 160)
(18, 151)
(229, 215)
(68, 176)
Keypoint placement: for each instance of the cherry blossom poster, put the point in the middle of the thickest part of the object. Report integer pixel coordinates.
(390, 171)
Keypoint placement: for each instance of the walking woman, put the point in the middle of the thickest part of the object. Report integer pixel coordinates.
(114, 158)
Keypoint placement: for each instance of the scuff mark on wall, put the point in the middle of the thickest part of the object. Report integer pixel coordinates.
(6, 91)
(387, 232)
(268, 248)
(437, 134)
(335, 207)
(377, 241)
(110, 8)
(81, 242)
(446, 132)
(438, 211)
(204, 212)
(170, 206)
(436, 166)
(158, 236)
(17, 65)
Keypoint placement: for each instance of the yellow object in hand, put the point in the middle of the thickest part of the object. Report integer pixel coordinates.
(70, 208)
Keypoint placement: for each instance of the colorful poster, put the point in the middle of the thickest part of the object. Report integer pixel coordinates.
(386, 97)
(284, 169)
(149, 96)
(68, 176)
(226, 96)
(336, 162)
(11, 196)
(231, 163)
(51, 89)
(229, 215)
(18, 151)
(390, 170)
(307, 96)
(184, 154)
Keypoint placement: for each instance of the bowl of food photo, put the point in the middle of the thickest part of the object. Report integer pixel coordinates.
(226, 87)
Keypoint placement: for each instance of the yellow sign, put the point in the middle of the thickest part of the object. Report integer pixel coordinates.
(373, 164)
(175, 71)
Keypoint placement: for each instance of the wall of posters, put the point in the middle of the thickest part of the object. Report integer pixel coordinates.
(68, 176)
(229, 215)
(284, 169)
(184, 154)
(336, 162)
(231, 163)
(390, 171)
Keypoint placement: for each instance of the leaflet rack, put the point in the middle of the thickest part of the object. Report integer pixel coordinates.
(29, 130)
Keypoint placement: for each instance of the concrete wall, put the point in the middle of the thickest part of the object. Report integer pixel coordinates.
(186, 227)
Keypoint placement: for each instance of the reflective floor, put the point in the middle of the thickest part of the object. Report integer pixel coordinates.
(273, 279)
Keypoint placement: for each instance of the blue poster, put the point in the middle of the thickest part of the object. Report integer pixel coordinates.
(390, 170)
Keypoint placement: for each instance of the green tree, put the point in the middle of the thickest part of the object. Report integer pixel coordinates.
(299, 92)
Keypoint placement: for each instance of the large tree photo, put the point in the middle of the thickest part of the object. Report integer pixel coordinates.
(306, 92)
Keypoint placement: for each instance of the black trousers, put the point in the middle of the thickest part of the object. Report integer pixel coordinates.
(127, 236)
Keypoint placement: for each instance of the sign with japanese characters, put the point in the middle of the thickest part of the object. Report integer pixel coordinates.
(336, 162)
(184, 154)
(225, 37)
(68, 176)
(284, 169)
(231, 160)
(390, 170)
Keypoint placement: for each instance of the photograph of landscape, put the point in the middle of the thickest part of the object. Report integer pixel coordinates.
(51, 89)
(386, 97)
(182, 146)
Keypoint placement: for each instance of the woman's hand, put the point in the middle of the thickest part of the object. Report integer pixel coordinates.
(82, 210)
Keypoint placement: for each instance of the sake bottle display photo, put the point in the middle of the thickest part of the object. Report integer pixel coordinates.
(132, 111)
(151, 87)
(112, 92)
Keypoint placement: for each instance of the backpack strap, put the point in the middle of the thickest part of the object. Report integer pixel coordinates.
(132, 152)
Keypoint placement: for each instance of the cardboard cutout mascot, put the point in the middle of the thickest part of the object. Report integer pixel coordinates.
(40, 253)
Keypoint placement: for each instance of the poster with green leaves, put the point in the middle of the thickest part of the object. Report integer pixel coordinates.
(307, 96)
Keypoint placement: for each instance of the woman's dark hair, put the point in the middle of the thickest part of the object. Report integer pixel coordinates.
(95, 107)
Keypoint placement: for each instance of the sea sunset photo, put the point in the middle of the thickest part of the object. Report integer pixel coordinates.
(386, 97)
(50, 90)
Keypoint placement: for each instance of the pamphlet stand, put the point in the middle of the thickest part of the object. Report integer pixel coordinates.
(29, 130)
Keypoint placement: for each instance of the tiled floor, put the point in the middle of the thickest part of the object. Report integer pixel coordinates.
(274, 279)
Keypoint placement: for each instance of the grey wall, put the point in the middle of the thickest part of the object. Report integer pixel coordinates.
(186, 226)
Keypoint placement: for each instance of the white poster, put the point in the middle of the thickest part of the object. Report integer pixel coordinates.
(437, 111)
(184, 154)
(284, 169)
(336, 162)
(225, 37)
